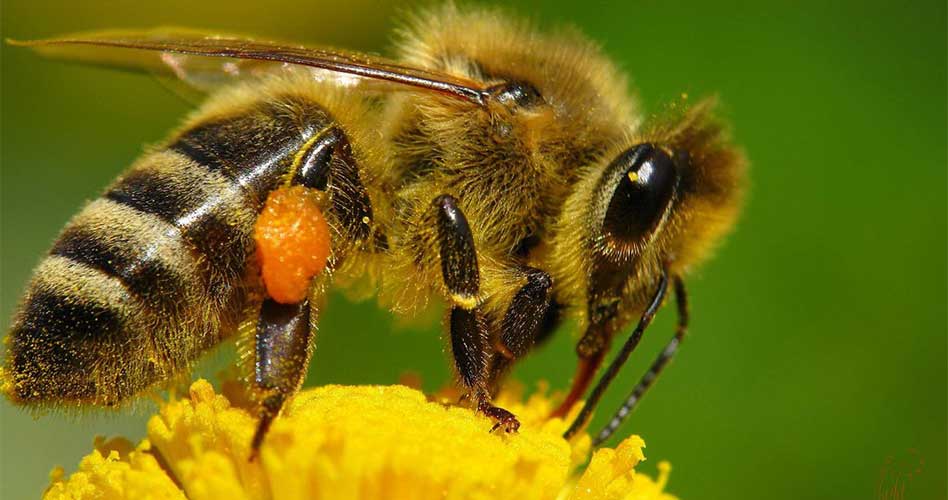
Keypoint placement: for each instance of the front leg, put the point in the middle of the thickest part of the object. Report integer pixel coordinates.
(524, 323)
(470, 342)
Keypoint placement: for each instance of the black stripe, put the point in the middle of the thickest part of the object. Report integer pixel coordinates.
(157, 285)
(256, 147)
(152, 193)
(55, 318)
(214, 243)
(190, 147)
(219, 246)
(223, 246)
(58, 345)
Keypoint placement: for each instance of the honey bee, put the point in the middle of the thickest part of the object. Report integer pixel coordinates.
(498, 169)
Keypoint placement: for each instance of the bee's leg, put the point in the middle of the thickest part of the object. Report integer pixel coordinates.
(283, 335)
(472, 353)
(459, 270)
(524, 322)
(282, 352)
(671, 348)
(326, 163)
(470, 342)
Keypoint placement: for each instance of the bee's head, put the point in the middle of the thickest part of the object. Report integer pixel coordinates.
(657, 203)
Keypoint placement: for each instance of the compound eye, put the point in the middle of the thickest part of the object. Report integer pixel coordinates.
(645, 188)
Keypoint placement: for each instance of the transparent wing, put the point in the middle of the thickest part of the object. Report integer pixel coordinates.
(206, 61)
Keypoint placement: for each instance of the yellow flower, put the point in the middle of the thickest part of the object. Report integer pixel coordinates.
(354, 442)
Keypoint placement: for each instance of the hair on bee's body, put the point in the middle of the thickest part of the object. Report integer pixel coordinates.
(156, 269)
(516, 181)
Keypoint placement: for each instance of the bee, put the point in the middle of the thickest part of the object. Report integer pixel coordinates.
(501, 171)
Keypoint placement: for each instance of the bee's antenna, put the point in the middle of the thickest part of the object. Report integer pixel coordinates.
(681, 299)
(620, 358)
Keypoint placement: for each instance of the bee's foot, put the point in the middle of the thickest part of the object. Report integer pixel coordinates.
(502, 418)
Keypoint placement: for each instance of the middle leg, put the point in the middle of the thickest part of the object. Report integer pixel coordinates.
(470, 341)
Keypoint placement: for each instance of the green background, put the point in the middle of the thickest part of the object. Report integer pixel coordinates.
(816, 367)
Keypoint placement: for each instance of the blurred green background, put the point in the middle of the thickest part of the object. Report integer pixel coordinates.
(816, 367)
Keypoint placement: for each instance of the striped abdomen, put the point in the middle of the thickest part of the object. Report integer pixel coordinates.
(153, 273)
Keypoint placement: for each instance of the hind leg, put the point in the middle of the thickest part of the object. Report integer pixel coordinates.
(290, 234)
(281, 356)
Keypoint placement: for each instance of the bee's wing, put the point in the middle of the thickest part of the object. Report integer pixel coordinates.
(205, 61)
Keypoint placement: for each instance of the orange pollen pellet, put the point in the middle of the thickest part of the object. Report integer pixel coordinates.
(293, 242)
